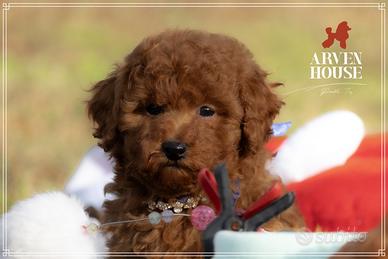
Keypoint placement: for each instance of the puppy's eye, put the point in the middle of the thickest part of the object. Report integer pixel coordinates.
(206, 111)
(154, 109)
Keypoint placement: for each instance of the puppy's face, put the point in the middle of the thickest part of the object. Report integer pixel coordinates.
(181, 102)
(174, 126)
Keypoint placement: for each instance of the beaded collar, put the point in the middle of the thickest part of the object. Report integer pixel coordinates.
(177, 205)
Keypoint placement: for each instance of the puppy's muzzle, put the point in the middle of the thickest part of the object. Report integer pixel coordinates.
(174, 150)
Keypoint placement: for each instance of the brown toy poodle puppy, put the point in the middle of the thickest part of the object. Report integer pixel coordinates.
(181, 101)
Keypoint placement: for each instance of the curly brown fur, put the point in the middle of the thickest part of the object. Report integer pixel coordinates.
(182, 70)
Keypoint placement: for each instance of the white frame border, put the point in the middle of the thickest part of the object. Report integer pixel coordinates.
(380, 6)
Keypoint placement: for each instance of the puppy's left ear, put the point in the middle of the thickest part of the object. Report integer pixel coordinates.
(260, 106)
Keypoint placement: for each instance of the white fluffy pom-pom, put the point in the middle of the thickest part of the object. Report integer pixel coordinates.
(51, 224)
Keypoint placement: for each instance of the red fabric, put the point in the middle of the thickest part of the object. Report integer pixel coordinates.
(370, 146)
(347, 197)
(274, 143)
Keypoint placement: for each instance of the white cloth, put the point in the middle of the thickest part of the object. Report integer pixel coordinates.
(281, 244)
(89, 179)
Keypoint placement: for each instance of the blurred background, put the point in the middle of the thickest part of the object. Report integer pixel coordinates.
(56, 54)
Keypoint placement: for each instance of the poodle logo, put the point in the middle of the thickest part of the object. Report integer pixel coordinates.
(340, 35)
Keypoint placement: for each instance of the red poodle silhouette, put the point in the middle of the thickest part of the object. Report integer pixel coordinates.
(341, 35)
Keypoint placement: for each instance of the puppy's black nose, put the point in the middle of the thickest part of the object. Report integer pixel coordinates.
(174, 150)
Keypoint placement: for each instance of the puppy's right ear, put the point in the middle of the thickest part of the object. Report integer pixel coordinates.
(103, 110)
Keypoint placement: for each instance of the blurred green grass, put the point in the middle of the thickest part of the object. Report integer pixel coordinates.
(56, 54)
